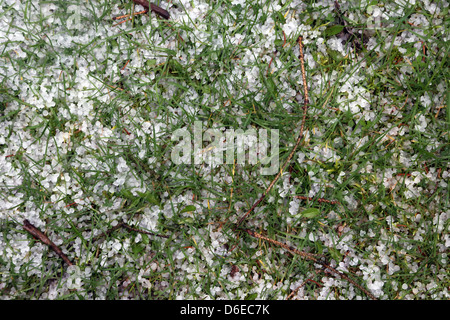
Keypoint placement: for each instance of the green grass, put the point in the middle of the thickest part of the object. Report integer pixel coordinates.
(104, 122)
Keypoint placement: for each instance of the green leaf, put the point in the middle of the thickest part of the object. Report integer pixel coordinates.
(335, 254)
(309, 21)
(145, 239)
(206, 89)
(279, 42)
(169, 52)
(251, 296)
(319, 247)
(333, 30)
(188, 209)
(150, 62)
(335, 55)
(126, 194)
(186, 221)
(150, 197)
(310, 213)
(137, 248)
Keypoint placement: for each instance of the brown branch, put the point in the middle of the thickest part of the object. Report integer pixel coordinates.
(293, 292)
(38, 234)
(318, 199)
(299, 139)
(306, 255)
(44, 239)
(153, 7)
(312, 257)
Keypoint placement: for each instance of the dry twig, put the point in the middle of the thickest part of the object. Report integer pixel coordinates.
(318, 199)
(149, 6)
(153, 7)
(299, 139)
(312, 257)
(44, 239)
(38, 234)
(305, 255)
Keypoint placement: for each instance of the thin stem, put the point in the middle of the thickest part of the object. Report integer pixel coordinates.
(318, 199)
(44, 239)
(312, 257)
(299, 139)
(147, 6)
(153, 7)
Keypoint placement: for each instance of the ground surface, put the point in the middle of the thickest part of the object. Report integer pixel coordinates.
(88, 111)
